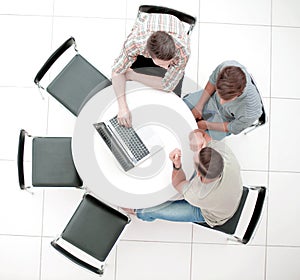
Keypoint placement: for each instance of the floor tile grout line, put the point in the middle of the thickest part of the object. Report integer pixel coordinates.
(168, 242)
(264, 97)
(155, 241)
(248, 24)
(198, 45)
(284, 171)
(194, 242)
(51, 47)
(42, 232)
(65, 16)
(19, 235)
(191, 260)
(284, 246)
(132, 18)
(47, 128)
(116, 262)
(7, 159)
(24, 15)
(235, 24)
(225, 243)
(192, 250)
(269, 144)
(17, 86)
(284, 98)
(271, 171)
(116, 250)
(249, 245)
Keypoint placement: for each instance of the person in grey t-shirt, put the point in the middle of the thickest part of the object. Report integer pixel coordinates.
(212, 195)
(229, 102)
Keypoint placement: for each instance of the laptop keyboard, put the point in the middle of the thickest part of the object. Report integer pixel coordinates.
(131, 139)
(112, 144)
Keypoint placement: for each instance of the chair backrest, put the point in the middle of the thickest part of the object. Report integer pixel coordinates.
(52, 59)
(76, 83)
(94, 229)
(259, 194)
(263, 117)
(243, 223)
(164, 10)
(20, 159)
(52, 162)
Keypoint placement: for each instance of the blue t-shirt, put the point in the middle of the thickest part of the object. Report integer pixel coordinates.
(245, 109)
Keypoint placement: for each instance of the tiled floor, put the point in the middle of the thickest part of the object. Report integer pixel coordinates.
(264, 35)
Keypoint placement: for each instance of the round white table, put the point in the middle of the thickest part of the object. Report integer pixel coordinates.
(149, 183)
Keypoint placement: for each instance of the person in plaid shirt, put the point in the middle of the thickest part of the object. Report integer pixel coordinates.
(158, 49)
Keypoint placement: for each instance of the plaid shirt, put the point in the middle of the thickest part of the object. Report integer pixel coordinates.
(135, 45)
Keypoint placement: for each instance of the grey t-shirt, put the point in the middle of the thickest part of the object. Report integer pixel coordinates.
(244, 110)
(220, 199)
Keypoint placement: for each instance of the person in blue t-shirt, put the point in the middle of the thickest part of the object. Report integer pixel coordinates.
(229, 103)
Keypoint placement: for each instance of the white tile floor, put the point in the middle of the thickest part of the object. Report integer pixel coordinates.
(262, 34)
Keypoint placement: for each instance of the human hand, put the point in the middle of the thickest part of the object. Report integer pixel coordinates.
(124, 117)
(197, 112)
(197, 140)
(175, 157)
(202, 125)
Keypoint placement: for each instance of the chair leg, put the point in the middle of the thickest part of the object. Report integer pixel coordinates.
(28, 189)
(235, 239)
(251, 129)
(101, 270)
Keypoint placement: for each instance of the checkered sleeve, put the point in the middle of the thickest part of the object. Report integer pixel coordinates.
(127, 56)
(174, 74)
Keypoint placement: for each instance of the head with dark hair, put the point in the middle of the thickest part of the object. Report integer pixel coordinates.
(209, 163)
(230, 83)
(161, 45)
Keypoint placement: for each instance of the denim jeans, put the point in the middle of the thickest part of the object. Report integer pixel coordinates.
(175, 211)
(210, 113)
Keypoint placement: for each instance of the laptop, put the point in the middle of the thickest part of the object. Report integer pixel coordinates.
(129, 147)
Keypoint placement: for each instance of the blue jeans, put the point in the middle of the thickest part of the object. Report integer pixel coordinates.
(175, 211)
(210, 112)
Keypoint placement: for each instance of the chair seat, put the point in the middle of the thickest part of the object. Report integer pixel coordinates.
(95, 227)
(52, 163)
(243, 223)
(230, 226)
(77, 83)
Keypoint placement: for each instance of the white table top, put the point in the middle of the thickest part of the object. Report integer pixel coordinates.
(148, 184)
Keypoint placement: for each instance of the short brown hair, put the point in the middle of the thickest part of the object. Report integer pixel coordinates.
(211, 163)
(161, 45)
(231, 82)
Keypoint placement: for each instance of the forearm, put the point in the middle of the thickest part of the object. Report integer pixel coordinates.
(207, 93)
(219, 126)
(178, 179)
(119, 84)
(151, 81)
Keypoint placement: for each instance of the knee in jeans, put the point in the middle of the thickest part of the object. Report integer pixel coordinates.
(146, 217)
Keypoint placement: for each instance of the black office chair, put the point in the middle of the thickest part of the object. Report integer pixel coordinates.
(262, 119)
(76, 83)
(242, 225)
(94, 229)
(145, 65)
(52, 162)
